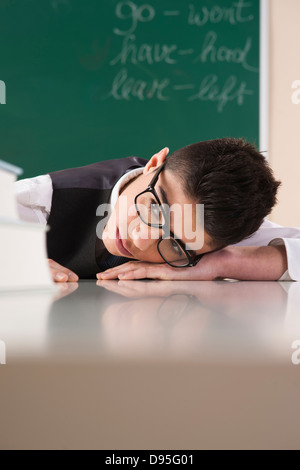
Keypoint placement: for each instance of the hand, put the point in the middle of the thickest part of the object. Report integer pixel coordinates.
(252, 263)
(205, 270)
(60, 273)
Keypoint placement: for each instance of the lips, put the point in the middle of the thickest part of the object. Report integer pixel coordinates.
(121, 245)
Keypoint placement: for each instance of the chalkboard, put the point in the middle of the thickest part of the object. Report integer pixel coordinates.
(90, 80)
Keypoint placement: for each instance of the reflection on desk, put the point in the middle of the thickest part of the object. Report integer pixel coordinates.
(193, 320)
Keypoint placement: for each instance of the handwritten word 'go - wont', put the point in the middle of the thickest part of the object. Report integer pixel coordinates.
(132, 15)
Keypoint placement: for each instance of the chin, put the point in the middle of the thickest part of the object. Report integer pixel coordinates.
(110, 246)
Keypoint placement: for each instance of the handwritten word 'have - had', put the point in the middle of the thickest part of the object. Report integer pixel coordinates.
(167, 53)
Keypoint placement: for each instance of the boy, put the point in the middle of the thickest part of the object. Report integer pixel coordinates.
(228, 176)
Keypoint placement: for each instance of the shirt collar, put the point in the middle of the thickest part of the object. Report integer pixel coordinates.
(121, 182)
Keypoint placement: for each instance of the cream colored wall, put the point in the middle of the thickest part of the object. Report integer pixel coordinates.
(284, 120)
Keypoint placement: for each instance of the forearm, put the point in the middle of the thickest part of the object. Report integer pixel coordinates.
(252, 263)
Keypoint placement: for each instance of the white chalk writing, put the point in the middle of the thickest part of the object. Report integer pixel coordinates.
(149, 53)
(125, 88)
(136, 76)
(135, 14)
(216, 14)
(211, 90)
(211, 52)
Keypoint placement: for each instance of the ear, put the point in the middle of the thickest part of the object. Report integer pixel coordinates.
(156, 160)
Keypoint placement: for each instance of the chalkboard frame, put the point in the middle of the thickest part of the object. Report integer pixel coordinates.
(44, 142)
(264, 78)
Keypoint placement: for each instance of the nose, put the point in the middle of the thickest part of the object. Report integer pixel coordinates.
(144, 236)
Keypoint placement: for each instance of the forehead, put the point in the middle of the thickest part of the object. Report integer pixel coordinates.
(170, 185)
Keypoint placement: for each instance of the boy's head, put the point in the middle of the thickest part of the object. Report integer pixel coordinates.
(228, 176)
(233, 181)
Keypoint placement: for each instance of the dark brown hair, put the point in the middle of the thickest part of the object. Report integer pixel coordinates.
(233, 181)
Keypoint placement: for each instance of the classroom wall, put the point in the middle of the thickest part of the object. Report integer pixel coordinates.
(284, 130)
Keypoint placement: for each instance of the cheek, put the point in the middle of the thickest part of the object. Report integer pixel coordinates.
(151, 255)
(126, 224)
(110, 227)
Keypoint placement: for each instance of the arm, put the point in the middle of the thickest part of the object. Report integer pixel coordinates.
(276, 235)
(272, 253)
(244, 263)
(34, 197)
(263, 263)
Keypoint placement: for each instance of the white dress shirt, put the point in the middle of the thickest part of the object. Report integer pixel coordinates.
(34, 197)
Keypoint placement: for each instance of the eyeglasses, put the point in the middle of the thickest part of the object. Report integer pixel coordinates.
(153, 213)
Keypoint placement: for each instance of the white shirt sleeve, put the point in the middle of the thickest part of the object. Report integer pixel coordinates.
(34, 198)
(270, 233)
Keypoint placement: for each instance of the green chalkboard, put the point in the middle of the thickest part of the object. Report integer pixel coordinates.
(90, 80)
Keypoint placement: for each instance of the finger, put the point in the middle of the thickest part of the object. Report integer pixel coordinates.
(159, 271)
(60, 273)
(148, 271)
(140, 271)
(107, 276)
(112, 273)
(60, 276)
(131, 265)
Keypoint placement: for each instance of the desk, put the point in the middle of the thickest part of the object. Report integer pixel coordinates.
(151, 365)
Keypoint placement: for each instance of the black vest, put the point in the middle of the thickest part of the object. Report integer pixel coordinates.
(77, 192)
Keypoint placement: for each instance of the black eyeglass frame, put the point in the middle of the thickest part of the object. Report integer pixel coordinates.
(150, 189)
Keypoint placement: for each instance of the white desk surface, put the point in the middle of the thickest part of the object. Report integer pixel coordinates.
(150, 365)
